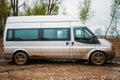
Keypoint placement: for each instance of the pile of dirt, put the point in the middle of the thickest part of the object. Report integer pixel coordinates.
(116, 43)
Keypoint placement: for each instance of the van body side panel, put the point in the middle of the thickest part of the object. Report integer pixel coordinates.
(55, 49)
(80, 50)
(55, 24)
(29, 46)
(13, 46)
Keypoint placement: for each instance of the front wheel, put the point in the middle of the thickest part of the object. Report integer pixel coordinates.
(20, 58)
(98, 58)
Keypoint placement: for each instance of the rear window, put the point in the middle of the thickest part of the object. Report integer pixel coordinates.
(9, 35)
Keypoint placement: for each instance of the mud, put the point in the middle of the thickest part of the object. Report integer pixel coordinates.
(58, 70)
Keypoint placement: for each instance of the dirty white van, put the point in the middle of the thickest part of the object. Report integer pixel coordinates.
(53, 37)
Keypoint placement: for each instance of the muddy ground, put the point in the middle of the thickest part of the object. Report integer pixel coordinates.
(60, 70)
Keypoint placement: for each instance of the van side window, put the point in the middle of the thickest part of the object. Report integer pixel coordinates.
(22, 34)
(10, 35)
(26, 34)
(56, 34)
(82, 34)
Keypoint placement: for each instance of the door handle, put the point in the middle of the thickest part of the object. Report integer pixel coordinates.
(67, 43)
(72, 43)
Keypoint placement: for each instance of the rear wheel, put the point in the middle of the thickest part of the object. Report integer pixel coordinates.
(98, 58)
(20, 58)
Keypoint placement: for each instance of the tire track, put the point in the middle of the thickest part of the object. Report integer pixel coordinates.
(21, 69)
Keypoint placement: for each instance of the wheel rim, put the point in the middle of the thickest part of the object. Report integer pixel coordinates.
(20, 58)
(98, 58)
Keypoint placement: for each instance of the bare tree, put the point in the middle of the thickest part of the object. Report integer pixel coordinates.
(53, 6)
(15, 6)
(115, 4)
(85, 12)
(42, 7)
(4, 12)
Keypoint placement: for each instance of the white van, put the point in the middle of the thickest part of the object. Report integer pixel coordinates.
(53, 37)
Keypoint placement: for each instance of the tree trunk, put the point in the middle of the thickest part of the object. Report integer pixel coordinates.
(48, 11)
(1, 25)
(110, 23)
(16, 7)
(116, 29)
(14, 4)
(51, 8)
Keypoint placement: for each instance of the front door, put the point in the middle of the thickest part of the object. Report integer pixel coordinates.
(82, 43)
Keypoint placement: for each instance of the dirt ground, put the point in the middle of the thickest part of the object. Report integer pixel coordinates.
(60, 70)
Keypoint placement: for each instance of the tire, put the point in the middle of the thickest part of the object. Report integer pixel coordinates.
(98, 58)
(20, 58)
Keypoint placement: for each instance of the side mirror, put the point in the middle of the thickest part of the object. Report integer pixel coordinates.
(96, 41)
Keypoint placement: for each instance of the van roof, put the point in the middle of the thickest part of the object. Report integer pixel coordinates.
(53, 18)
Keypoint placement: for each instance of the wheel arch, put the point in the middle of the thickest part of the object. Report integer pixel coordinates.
(97, 51)
(20, 50)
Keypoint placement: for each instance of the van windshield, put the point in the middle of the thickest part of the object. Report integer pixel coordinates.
(84, 35)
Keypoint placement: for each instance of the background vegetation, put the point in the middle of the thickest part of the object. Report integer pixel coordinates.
(51, 7)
